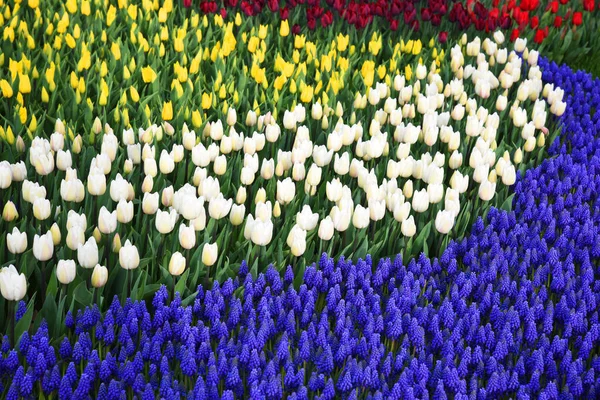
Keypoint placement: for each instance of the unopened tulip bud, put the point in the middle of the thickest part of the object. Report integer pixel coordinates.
(20, 144)
(518, 157)
(116, 243)
(99, 276)
(56, 236)
(237, 213)
(261, 196)
(209, 254)
(97, 235)
(97, 126)
(167, 196)
(407, 189)
(87, 253)
(276, 210)
(77, 144)
(10, 212)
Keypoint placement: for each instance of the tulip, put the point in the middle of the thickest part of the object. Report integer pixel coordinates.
(167, 196)
(286, 190)
(187, 236)
(314, 175)
(63, 160)
(376, 209)
(444, 221)
(9, 213)
(5, 175)
(267, 168)
(326, 229)
(289, 120)
(333, 190)
(306, 219)
(296, 240)
(487, 190)
(509, 175)
(107, 221)
(41, 208)
(125, 210)
(96, 182)
(420, 201)
(13, 285)
(408, 227)
(16, 241)
(150, 203)
(177, 264)
(219, 207)
(360, 219)
(99, 276)
(65, 271)
(87, 254)
(209, 254)
(220, 165)
(166, 163)
(165, 221)
(251, 118)
(18, 171)
(56, 235)
(43, 246)
(260, 232)
(129, 258)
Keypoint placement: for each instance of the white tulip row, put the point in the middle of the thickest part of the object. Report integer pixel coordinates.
(442, 119)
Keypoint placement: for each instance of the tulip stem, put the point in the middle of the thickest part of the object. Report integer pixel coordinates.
(43, 280)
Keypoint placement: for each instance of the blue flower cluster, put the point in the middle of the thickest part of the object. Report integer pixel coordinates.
(509, 311)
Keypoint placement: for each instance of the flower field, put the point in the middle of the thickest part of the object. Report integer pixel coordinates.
(304, 200)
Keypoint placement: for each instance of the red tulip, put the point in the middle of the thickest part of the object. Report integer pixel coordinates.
(443, 37)
(553, 6)
(535, 22)
(514, 35)
(187, 3)
(539, 36)
(589, 5)
(577, 18)
(558, 21)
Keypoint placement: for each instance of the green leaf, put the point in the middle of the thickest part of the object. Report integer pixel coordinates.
(181, 284)
(24, 323)
(507, 205)
(82, 295)
(420, 242)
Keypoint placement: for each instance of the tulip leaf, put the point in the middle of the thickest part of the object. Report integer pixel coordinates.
(49, 310)
(82, 295)
(420, 242)
(507, 205)
(24, 323)
(181, 283)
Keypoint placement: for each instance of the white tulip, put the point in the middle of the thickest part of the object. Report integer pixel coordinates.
(219, 207)
(237, 214)
(289, 120)
(99, 276)
(177, 264)
(75, 237)
(306, 219)
(341, 165)
(420, 201)
(408, 227)
(487, 190)
(360, 218)
(150, 203)
(66, 271)
(41, 209)
(326, 229)
(231, 116)
(509, 175)
(16, 241)
(334, 190)
(209, 254)
(296, 240)
(13, 285)
(125, 211)
(18, 171)
(267, 168)
(165, 221)
(444, 221)
(129, 257)
(286, 190)
(87, 254)
(107, 221)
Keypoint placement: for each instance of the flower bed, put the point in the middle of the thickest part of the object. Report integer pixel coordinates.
(508, 311)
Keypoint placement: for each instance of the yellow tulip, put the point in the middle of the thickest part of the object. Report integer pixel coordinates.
(135, 96)
(24, 84)
(167, 111)
(284, 28)
(45, 96)
(23, 115)
(33, 4)
(148, 74)
(206, 101)
(196, 119)
(85, 7)
(6, 89)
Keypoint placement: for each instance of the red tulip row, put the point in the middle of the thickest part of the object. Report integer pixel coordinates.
(523, 17)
